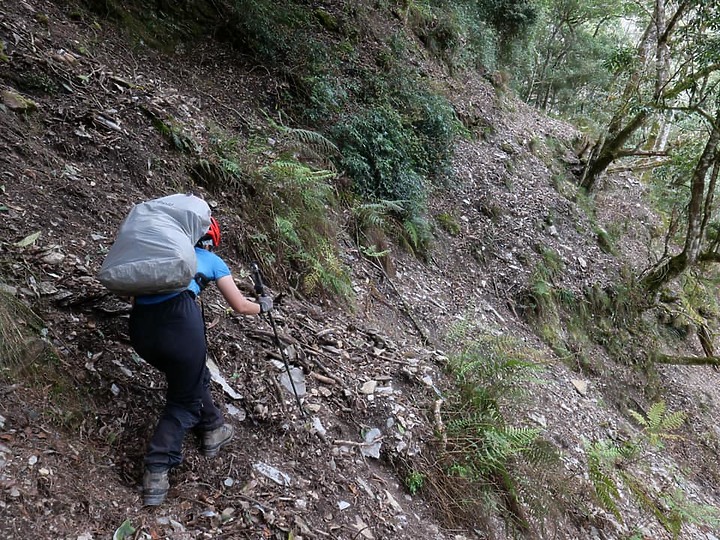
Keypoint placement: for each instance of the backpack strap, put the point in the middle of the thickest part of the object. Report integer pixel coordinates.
(202, 281)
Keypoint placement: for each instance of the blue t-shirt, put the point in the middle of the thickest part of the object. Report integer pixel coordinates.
(208, 264)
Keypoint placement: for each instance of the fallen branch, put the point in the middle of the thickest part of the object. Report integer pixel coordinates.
(405, 307)
(660, 358)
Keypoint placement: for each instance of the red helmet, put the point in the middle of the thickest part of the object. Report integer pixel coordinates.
(214, 232)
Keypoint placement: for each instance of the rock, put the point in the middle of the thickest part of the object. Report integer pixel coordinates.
(54, 258)
(580, 385)
(373, 448)
(318, 427)
(298, 379)
(272, 473)
(369, 387)
(16, 102)
(8, 289)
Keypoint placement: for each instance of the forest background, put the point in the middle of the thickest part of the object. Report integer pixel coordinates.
(358, 146)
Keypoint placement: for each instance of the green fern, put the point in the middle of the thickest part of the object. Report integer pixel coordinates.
(287, 231)
(680, 510)
(602, 457)
(373, 253)
(286, 197)
(230, 166)
(659, 423)
(607, 464)
(481, 446)
(326, 271)
(310, 142)
(376, 214)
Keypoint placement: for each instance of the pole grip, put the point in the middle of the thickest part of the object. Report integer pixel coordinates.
(257, 279)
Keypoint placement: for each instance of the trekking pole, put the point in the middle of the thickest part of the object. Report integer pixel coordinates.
(260, 291)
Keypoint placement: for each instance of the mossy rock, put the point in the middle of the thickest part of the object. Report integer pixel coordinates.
(328, 21)
(16, 102)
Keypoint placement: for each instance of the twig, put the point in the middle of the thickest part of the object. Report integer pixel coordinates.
(355, 443)
(406, 308)
(439, 423)
(322, 378)
(241, 116)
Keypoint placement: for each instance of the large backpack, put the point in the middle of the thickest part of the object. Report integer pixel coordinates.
(154, 251)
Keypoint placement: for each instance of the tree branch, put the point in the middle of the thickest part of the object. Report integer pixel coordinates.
(644, 153)
(660, 358)
(709, 256)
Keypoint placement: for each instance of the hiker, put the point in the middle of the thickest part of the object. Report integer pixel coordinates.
(167, 330)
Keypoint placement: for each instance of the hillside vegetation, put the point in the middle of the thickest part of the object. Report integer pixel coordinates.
(501, 327)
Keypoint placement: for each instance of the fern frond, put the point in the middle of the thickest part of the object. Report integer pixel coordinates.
(303, 139)
(606, 489)
(288, 170)
(655, 415)
(375, 214)
(230, 166)
(639, 418)
(601, 457)
(541, 452)
(674, 421)
(287, 230)
(412, 233)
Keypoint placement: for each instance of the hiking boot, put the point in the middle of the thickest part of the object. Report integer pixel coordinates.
(215, 439)
(155, 487)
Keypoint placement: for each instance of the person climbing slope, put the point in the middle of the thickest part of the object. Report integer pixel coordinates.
(167, 330)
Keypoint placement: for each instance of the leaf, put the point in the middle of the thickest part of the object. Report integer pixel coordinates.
(124, 531)
(638, 417)
(28, 240)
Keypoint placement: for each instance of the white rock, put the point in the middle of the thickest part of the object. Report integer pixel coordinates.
(272, 473)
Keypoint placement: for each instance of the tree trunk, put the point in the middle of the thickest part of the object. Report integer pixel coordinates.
(657, 34)
(610, 150)
(698, 214)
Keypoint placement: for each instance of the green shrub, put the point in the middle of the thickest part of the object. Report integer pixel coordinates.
(448, 223)
(485, 463)
(18, 325)
(282, 182)
(380, 154)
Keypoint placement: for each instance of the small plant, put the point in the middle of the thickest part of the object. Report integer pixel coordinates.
(658, 423)
(612, 465)
(603, 459)
(448, 223)
(18, 325)
(283, 183)
(414, 482)
(681, 511)
(541, 299)
(173, 132)
(481, 453)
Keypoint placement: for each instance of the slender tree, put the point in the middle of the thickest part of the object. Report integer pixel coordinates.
(699, 212)
(644, 93)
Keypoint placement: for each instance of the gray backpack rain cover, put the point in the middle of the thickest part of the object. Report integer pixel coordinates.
(154, 251)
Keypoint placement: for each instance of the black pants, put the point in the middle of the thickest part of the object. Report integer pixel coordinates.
(171, 337)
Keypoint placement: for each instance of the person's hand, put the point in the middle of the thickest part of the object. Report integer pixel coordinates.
(266, 303)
